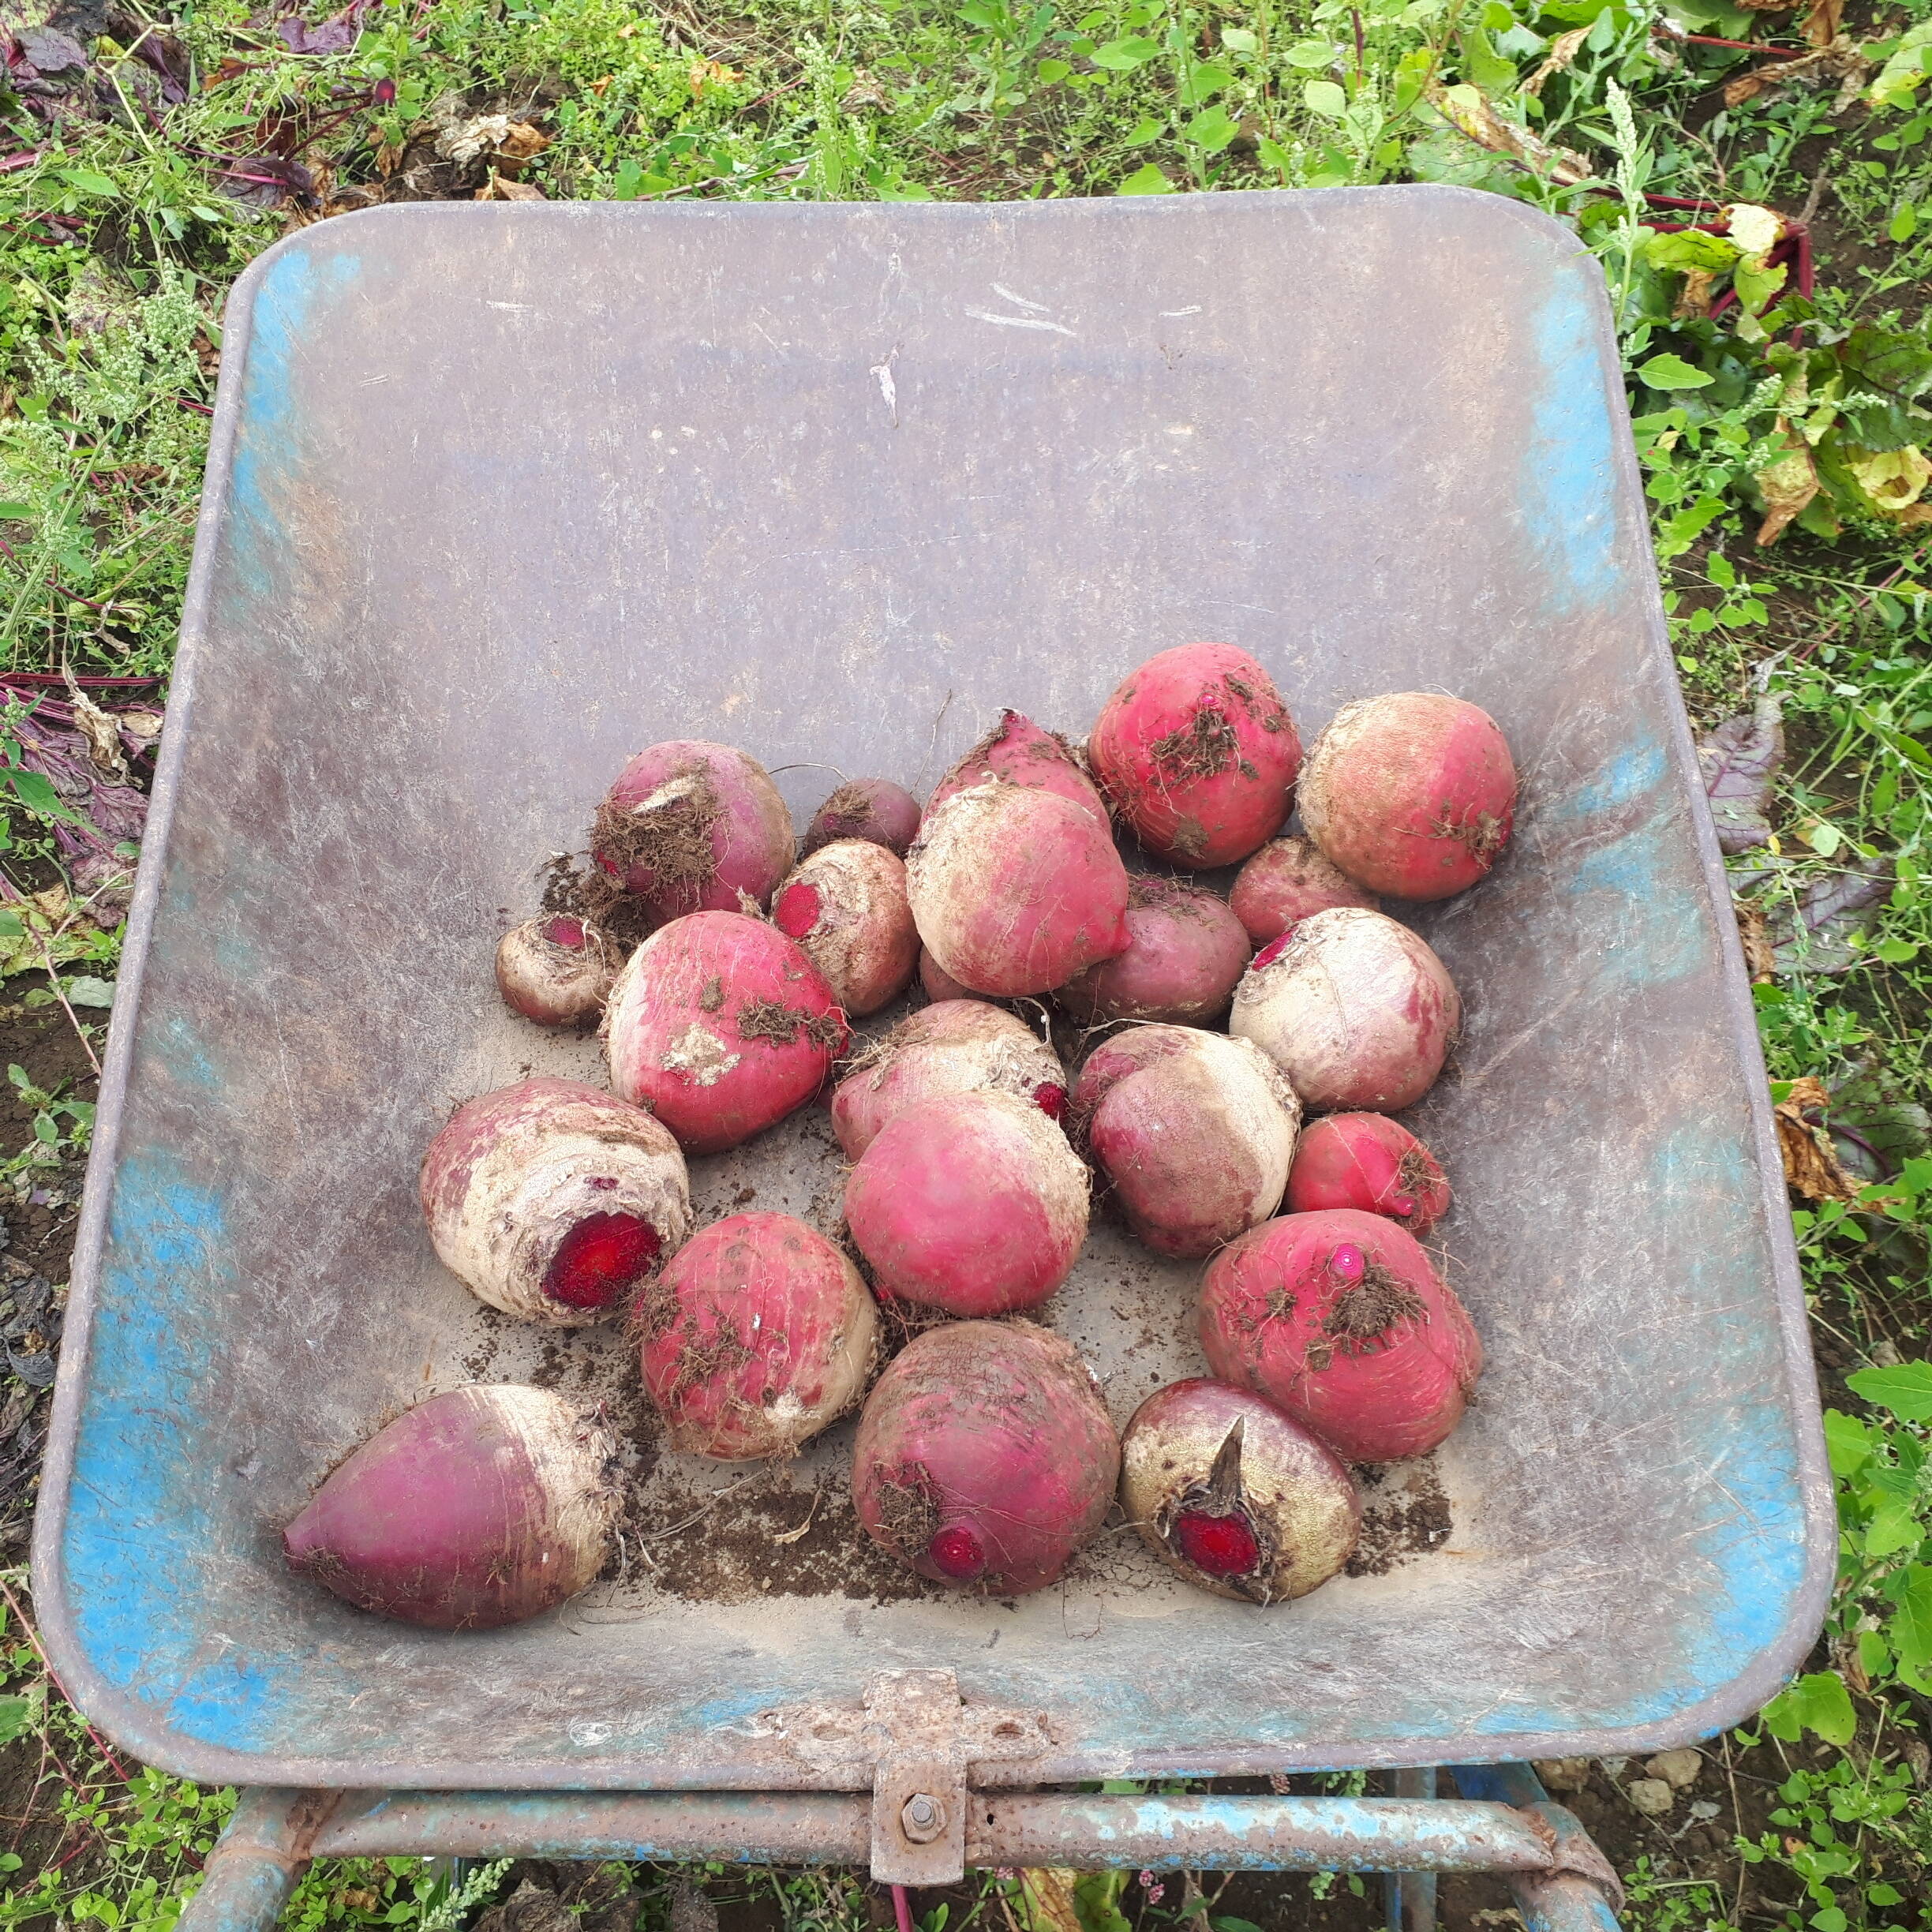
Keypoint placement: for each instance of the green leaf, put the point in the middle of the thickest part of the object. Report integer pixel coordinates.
(1893, 1527)
(10, 927)
(1818, 1702)
(88, 991)
(87, 181)
(1848, 1442)
(1311, 56)
(1145, 181)
(1128, 52)
(1238, 40)
(1905, 1389)
(1905, 222)
(15, 512)
(1146, 128)
(15, 1714)
(1212, 129)
(1909, 1631)
(1671, 372)
(1052, 72)
(1323, 97)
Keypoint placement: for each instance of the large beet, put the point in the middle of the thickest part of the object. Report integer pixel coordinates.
(693, 827)
(1285, 882)
(1357, 1010)
(1015, 890)
(984, 1457)
(1197, 752)
(1185, 951)
(551, 1200)
(1017, 751)
(478, 1507)
(1414, 793)
(721, 1026)
(1339, 1319)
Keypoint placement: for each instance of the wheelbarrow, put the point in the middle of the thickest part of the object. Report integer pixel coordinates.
(498, 495)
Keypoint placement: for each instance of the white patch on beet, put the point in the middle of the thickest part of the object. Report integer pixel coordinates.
(699, 1053)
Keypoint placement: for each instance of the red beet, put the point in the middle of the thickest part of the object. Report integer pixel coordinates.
(1197, 752)
(973, 1203)
(1195, 1142)
(1236, 1496)
(873, 809)
(1338, 1318)
(939, 983)
(477, 1508)
(1285, 882)
(1413, 794)
(984, 1458)
(1354, 1008)
(953, 1046)
(555, 970)
(1016, 750)
(846, 906)
(758, 1334)
(721, 1026)
(1370, 1162)
(1185, 950)
(693, 827)
(551, 1200)
(1015, 890)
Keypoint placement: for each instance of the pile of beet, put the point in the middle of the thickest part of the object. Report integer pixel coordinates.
(1241, 1049)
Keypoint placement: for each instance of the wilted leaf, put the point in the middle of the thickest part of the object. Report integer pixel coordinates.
(497, 136)
(1563, 49)
(1756, 231)
(85, 990)
(1877, 1126)
(1739, 760)
(1820, 25)
(497, 188)
(1843, 64)
(1890, 479)
(1694, 299)
(1811, 1162)
(336, 36)
(1046, 1902)
(1901, 74)
(1756, 942)
(1470, 112)
(1788, 485)
(48, 50)
(1811, 936)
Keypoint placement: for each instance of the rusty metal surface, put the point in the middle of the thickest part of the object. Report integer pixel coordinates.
(499, 495)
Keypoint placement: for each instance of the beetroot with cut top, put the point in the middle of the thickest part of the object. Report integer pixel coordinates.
(1338, 1318)
(1370, 1162)
(873, 809)
(552, 1200)
(479, 1507)
(953, 1046)
(1234, 1496)
(721, 1026)
(1197, 752)
(984, 1458)
(1185, 951)
(1015, 890)
(972, 1203)
(1016, 751)
(693, 827)
(1284, 882)
(758, 1335)
(846, 906)
(556, 970)
(1412, 793)
(1356, 1009)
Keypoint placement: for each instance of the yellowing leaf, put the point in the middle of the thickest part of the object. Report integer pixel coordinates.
(1890, 479)
(1788, 485)
(1469, 112)
(1563, 51)
(1756, 231)
(1901, 74)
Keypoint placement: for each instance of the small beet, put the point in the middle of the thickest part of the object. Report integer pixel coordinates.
(1018, 751)
(1195, 1142)
(846, 906)
(1356, 1009)
(758, 1335)
(1338, 1318)
(972, 1203)
(1015, 890)
(1286, 881)
(1185, 951)
(693, 827)
(953, 1046)
(721, 1026)
(937, 982)
(1414, 793)
(873, 809)
(479, 1507)
(1235, 1495)
(1372, 1162)
(984, 1457)
(556, 970)
(551, 1200)
(1197, 752)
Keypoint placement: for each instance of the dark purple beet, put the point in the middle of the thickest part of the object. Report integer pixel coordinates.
(873, 809)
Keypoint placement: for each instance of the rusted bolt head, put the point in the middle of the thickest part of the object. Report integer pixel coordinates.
(922, 1818)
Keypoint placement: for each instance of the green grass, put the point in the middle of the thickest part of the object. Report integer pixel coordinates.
(121, 232)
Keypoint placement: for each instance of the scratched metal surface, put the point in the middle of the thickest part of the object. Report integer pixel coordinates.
(498, 495)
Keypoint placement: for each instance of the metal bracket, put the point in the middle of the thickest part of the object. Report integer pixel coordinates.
(919, 1737)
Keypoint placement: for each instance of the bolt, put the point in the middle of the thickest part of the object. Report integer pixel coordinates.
(922, 1818)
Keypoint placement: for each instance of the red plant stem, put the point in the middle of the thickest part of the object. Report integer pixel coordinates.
(902, 1909)
(1743, 47)
(55, 583)
(26, 158)
(26, 1622)
(56, 677)
(200, 409)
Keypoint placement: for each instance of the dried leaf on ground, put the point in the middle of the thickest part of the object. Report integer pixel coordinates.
(1563, 51)
(1820, 24)
(1470, 113)
(1813, 936)
(497, 188)
(464, 137)
(1811, 1163)
(1842, 62)
(1693, 300)
(1739, 760)
(102, 734)
(48, 50)
(1788, 485)
(1759, 959)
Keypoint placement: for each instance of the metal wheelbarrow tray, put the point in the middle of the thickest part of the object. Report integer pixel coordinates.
(496, 497)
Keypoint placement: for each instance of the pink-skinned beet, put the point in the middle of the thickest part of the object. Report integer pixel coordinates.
(1197, 753)
(846, 906)
(1339, 1319)
(873, 809)
(1018, 751)
(1185, 952)
(972, 1203)
(1370, 1162)
(1285, 882)
(984, 1459)
(721, 1026)
(481, 1507)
